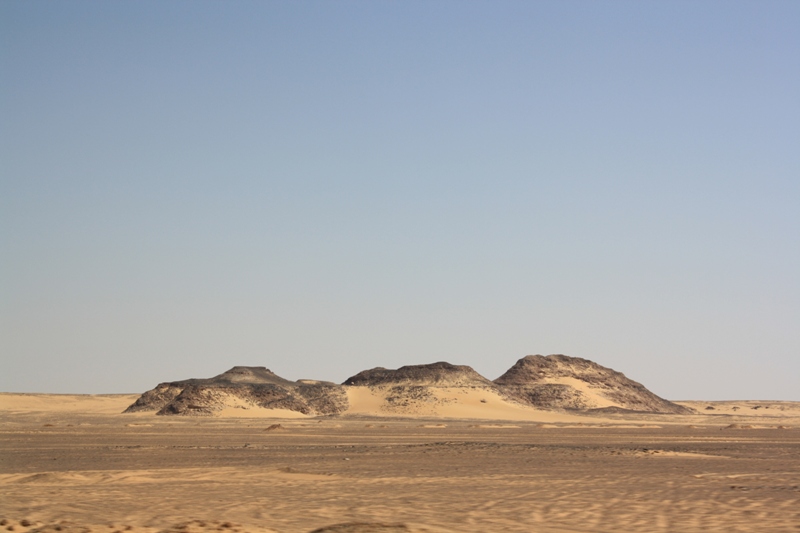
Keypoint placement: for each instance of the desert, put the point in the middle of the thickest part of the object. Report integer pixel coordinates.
(279, 266)
(424, 448)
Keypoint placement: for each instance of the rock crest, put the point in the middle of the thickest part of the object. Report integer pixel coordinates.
(439, 374)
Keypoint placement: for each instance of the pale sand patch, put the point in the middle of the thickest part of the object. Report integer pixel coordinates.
(487, 405)
(258, 412)
(239, 408)
(633, 426)
(669, 453)
(591, 395)
(160, 476)
(56, 403)
(294, 474)
(364, 401)
(748, 408)
(739, 414)
(494, 426)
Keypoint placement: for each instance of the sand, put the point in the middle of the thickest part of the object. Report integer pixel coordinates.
(73, 463)
(30, 404)
(450, 402)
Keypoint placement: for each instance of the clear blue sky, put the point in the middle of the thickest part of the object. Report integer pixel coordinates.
(325, 187)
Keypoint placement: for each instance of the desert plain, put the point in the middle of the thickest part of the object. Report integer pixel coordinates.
(76, 463)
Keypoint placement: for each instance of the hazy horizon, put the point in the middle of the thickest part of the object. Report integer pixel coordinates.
(322, 188)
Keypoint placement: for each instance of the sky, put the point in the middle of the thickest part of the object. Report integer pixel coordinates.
(326, 187)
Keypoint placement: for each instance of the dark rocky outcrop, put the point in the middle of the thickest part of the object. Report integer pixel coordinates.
(156, 399)
(563, 382)
(245, 386)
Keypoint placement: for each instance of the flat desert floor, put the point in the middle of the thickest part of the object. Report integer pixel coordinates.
(74, 464)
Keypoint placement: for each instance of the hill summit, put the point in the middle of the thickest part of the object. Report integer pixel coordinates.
(563, 382)
(441, 374)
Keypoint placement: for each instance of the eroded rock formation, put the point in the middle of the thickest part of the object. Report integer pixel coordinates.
(563, 382)
(243, 387)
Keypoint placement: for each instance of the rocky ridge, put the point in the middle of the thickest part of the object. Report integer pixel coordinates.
(554, 382)
(244, 387)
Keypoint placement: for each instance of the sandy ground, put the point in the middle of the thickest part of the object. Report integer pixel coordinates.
(449, 402)
(73, 463)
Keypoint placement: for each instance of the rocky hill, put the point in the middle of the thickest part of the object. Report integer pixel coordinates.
(554, 382)
(420, 389)
(243, 387)
(563, 382)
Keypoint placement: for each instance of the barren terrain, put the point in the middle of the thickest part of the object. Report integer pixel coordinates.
(74, 463)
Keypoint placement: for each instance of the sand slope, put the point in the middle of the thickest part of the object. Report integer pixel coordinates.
(445, 402)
